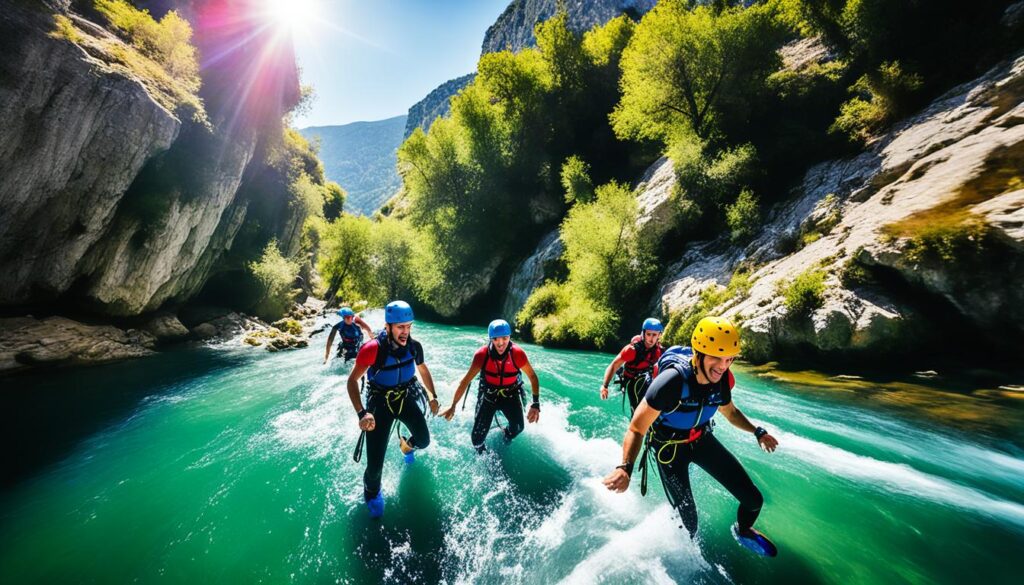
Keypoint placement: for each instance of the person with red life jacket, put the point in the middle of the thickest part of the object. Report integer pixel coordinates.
(673, 426)
(637, 363)
(499, 364)
(391, 363)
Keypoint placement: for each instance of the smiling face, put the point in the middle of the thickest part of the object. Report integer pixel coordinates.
(715, 367)
(400, 332)
(500, 343)
(651, 338)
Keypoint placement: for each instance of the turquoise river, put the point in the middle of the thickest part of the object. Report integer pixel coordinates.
(227, 464)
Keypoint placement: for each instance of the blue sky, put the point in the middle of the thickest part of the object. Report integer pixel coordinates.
(372, 59)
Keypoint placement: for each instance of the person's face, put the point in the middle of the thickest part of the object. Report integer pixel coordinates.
(500, 343)
(651, 338)
(400, 332)
(348, 319)
(715, 367)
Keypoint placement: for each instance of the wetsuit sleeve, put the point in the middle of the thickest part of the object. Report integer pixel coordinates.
(367, 354)
(418, 349)
(478, 357)
(663, 393)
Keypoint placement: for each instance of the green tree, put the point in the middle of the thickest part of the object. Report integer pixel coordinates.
(345, 256)
(576, 181)
(683, 65)
(276, 275)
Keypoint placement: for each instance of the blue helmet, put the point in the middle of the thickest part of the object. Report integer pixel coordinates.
(398, 312)
(499, 328)
(652, 324)
(346, 312)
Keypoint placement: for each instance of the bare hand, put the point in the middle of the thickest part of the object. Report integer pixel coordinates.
(367, 423)
(325, 359)
(617, 481)
(604, 393)
(533, 415)
(448, 413)
(434, 406)
(768, 443)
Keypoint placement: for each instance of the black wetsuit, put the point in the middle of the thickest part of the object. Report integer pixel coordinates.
(710, 455)
(489, 401)
(406, 403)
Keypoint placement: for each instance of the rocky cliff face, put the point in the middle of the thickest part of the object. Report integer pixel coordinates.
(110, 200)
(656, 217)
(919, 239)
(514, 28)
(436, 105)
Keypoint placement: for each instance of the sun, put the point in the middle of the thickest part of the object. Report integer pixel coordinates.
(293, 15)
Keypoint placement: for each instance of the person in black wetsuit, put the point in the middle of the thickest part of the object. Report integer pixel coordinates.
(391, 363)
(638, 363)
(499, 364)
(350, 327)
(675, 417)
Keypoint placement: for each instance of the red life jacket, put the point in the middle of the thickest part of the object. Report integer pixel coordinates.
(499, 371)
(644, 359)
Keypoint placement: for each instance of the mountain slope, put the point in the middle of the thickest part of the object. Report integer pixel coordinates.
(361, 158)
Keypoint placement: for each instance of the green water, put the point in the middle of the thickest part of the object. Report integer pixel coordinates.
(227, 464)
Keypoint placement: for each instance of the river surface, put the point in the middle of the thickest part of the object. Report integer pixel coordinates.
(227, 464)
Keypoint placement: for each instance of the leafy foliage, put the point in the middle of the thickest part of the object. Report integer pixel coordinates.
(276, 274)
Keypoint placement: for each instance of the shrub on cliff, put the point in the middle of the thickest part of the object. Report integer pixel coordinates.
(276, 275)
(607, 263)
(167, 41)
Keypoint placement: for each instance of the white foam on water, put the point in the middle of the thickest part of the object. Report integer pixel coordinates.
(644, 545)
(899, 478)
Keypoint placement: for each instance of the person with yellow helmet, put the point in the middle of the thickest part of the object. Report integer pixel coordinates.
(673, 425)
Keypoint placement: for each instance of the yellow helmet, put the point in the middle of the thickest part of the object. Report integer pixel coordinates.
(716, 336)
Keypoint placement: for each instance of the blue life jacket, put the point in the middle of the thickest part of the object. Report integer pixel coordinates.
(393, 367)
(695, 408)
(350, 332)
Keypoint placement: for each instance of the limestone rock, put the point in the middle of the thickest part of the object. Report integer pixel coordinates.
(530, 274)
(26, 342)
(166, 327)
(960, 141)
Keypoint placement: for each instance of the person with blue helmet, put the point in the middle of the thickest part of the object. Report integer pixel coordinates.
(673, 426)
(391, 362)
(500, 364)
(636, 364)
(351, 329)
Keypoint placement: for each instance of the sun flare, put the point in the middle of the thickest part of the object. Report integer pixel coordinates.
(294, 15)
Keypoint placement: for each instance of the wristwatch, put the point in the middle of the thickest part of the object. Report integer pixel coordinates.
(760, 432)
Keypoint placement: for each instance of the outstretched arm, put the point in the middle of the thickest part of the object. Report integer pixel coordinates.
(643, 418)
(534, 414)
(741, 422)
(365, 327)
(366, 421)
(449, 412)
(608, 373)
(330, 344)
(428, 383)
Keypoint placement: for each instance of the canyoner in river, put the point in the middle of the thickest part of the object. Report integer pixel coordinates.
(636, 365)
(351, 329)
(394, 394)
(674, 424)
(500, 364)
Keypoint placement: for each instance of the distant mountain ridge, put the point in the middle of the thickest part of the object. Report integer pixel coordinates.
(361, 157)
